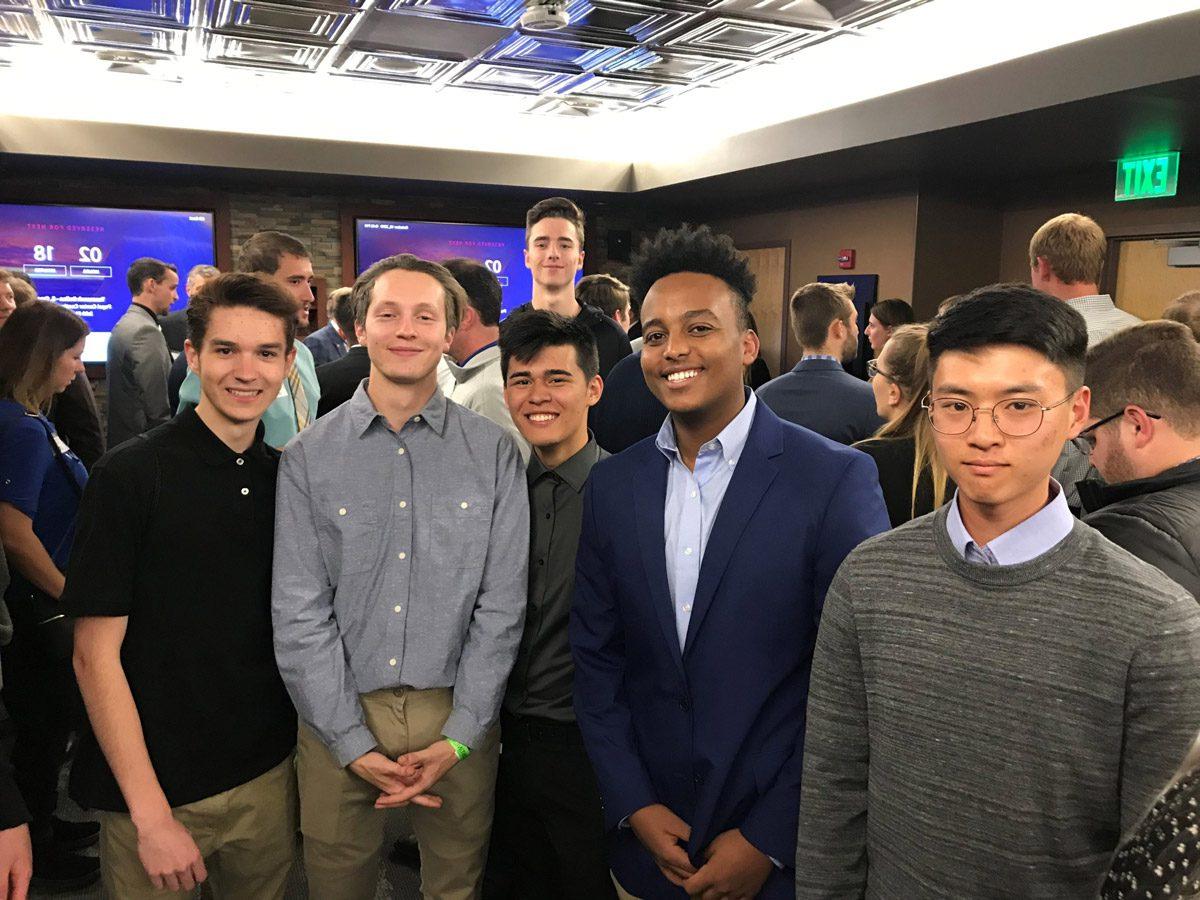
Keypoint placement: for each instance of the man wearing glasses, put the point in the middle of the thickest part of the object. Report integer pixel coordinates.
(998, 692)
(1145, 442)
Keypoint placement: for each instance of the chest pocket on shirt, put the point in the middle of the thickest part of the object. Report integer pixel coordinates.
(351, 532)
(461, 528)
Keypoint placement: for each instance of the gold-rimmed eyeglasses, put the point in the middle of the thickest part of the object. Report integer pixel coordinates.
(1015, 417)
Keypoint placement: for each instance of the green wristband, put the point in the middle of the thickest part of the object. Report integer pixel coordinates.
(462, 751)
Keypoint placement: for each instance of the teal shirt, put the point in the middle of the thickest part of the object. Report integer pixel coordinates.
(280, 417)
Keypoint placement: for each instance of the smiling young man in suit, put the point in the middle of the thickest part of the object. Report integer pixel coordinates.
(703, 562)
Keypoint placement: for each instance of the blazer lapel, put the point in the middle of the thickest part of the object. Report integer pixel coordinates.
(754, 473)
(649, 505)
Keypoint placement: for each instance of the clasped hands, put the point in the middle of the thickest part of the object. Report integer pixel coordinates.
(733, 870)
(407, 778)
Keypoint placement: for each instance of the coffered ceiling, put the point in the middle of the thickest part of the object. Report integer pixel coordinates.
(615, 55)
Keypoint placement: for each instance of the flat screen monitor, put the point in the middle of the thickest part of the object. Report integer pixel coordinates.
(499, 247)
(78, 255)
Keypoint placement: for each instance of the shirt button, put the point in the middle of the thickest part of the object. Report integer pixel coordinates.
(416, 418)
(403, 504)
(240, 461)
(687, 607)
(245, 491)
(692, 494)
(733, 462)
(687, 551)
(402, 555)
(396, 608)
(342, 511)
(392, 662)
(464, 504)
(400, 451)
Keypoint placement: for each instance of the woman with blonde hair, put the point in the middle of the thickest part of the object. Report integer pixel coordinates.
(911, 476)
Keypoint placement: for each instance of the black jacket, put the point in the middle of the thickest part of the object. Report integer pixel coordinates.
(1156, 519)
(340, 379)
(76, 418)
(627, 411)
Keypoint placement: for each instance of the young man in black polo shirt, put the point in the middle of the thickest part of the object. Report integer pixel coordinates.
(190, 753)
(548, 831)
(553, 255)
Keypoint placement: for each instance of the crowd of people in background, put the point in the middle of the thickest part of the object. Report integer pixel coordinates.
(608, 610)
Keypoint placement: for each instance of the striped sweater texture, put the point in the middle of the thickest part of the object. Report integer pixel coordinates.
(990, 731)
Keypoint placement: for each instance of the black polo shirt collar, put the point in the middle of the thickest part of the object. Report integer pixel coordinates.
(210, 448)
(574, 472)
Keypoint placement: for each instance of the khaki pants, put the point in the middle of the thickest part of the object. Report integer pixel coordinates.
(247, 836)
(344, 832)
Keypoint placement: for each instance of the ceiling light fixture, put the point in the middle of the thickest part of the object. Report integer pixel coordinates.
(545, 15)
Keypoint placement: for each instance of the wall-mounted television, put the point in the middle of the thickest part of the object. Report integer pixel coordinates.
(78, 255)
(499, 247)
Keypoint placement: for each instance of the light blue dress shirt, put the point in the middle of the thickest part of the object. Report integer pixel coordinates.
(693, 501)
(1021, 543)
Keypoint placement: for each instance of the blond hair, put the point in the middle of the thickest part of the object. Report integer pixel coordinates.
(1073, 245)
(907, 367)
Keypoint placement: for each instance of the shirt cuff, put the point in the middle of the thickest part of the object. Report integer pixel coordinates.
(464, 728)
(353, 745)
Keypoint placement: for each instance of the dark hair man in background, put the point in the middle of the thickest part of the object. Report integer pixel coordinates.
(469, 373)
(330, 342)
(703, 561)
(282, 260)
(398, 599)
(818, 393)
(339, 379)
(189, 757)
(997, 690)
(553, 255)
(548, 834)
(138, 359)
(1144, 439)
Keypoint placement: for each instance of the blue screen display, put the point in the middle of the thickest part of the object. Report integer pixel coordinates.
(77, 255)
(501, 248)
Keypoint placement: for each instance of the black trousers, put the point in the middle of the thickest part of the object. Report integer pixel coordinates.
(44, 703)
(548, 832)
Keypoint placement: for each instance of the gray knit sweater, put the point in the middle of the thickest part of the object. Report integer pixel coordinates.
(984, 731)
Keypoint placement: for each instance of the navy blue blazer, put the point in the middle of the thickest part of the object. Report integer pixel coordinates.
(820, 395)
(326, 345)
(715, 732)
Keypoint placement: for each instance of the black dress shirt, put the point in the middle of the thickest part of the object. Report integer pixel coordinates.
(176, 532)
(541, 682)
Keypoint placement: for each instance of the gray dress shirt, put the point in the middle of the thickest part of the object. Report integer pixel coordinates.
(400, 561)
(138, 364)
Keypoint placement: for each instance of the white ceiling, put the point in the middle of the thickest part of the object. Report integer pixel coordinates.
(216, 95)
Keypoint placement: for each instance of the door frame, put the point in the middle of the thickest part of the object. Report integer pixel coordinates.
(785, 325)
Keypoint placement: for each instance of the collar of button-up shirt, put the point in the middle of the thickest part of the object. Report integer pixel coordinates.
(692, 502)
(833, 359)
(572, 472)
(363, 412)
(1025, 541)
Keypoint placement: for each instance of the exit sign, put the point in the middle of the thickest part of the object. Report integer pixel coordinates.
(1143, 177)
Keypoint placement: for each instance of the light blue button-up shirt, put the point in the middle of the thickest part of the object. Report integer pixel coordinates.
(693, 500)
(1021, 543)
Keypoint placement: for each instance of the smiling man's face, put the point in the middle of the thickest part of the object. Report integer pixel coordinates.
(694, 346)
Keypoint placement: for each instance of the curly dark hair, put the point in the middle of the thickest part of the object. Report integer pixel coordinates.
(693, 249)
